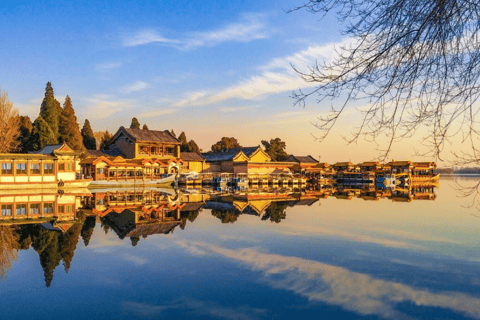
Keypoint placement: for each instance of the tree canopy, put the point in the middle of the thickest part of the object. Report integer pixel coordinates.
(9, 125)
(225, 144)
(68, 127)
(89, 140)
(189, 146)
(145, 127)
(26, 127)
(105, 142)
(275, 149)
(42, 134)
(415, 63)
(50, 110)
(135, 124)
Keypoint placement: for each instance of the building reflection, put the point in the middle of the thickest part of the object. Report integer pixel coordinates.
(52, 222)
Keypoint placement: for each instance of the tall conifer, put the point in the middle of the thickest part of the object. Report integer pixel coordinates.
(69, 129)
(145, 127)
(26, 127)
(135, 124)
(42, 134)
(89, 140)
(51, 110)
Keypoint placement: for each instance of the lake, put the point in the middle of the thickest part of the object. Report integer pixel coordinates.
(325, 253)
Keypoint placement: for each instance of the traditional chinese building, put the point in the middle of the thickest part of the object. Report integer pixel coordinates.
(53, 166)
(244, 160)
(301, 162)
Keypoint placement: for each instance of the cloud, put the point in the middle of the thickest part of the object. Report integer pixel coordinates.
(251, 28)
(275, 77)
(338, 286)
(134, 259)
(155, 113)
(103, 106)
(108, 66)
(134, 87)
(234, 109)
(145, 37)
(193, 307)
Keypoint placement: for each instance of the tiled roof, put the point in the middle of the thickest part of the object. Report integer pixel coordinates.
(301, 159)
(49, 149)
(152, 135)
(343, 164)
(228, 155)
(191, 156)
(113, 151)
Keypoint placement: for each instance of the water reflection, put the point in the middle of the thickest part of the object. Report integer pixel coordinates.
(53, 222)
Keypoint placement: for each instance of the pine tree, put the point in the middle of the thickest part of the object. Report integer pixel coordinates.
(88, 137)
(42, 134)
(173, 133)
(26, 127)
(51, 110)
(69, 129)
(105, 140)
(145, 127)
(183, 138)
(193, 147)
(135, 124)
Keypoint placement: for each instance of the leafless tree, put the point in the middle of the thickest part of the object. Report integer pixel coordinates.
(9, 125)
(416, 63)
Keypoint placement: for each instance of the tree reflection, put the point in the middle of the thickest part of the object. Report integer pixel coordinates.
(276, 212)
(8, 248)
(225, 216)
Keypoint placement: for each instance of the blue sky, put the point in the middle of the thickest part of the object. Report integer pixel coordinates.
(209, 68)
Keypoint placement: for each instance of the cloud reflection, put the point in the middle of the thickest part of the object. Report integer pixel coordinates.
(352, 291)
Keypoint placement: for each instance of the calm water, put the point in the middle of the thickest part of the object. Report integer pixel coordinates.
(340, 256)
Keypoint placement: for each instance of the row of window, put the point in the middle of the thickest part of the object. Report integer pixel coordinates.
(34, 208)
(156, 150)
(34, 168)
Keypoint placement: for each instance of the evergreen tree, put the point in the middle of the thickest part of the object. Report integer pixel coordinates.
(145, 127)
(87, 230)
(105, 140)
(42, 134)
(225, 144)
(135, 124)
(183, 138)
(68, 126)
(51, 110)
(88, 137)
(26, 127)
(193, 147)
(173, 133)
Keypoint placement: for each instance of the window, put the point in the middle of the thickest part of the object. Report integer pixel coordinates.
(35, 208)
(21, 209)
(48, 168)
(100, 170)
(61, 167)
(21, 168)
(68, 208)
(61, 209)
(6, 210)
(69, 166)
(169, 150)
(7, 168)
(34, 168)
(48, 208)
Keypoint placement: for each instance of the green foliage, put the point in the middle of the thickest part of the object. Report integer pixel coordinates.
(104, 144)
(145, 127)
(183, 138)
(193, 147)
(225, 216)
(68, 127)
(225, 144)
(135, 124)
(26, 127)
(69, 243)
(275, 149)
(88, 137)
(51, 110)
(276, 212)
(87, 230)
(42, 134)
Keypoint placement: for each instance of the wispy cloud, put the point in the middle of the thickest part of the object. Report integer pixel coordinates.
(108, 66)
(251, 27)
(155, 113)
(338, 286)
(194, 307)
(145, 37)
(134, 87)
(275, 77)
(234, 109)
(104, 106)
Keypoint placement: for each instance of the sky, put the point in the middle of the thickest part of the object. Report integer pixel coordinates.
(209, 68)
